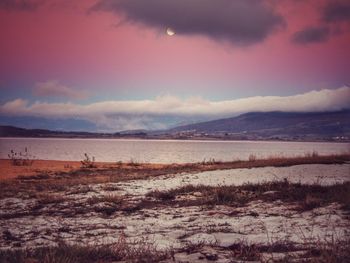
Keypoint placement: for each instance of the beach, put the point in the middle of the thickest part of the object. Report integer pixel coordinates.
(197, 212)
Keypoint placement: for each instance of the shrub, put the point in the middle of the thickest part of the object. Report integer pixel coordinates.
(21, 159)
(252, 158)
(88, 162)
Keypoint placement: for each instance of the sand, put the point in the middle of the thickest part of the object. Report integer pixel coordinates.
(9, 171)
(77, 214)
(175, 226)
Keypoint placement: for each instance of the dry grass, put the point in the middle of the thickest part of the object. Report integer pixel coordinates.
(140, 251)
(47, 199)
(63, 181)
(280, 161)
(329, 252)
(110, 204)
(61, 168)
(143, 251)
(333, 251)
(21, 159)
(306, 197)
(88, 162)
(111, 188)
(114, 199)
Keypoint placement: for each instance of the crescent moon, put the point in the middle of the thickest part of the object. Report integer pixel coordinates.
(170, 31)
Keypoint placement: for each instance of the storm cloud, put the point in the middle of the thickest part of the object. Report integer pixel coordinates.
(336, 11)
(20, 5)
(240, 22)
(311, 35)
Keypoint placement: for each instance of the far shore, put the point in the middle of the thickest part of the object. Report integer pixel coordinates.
(194, 139)
(52, 167)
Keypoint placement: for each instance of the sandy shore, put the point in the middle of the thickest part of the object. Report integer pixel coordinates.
(195, 217)
(50, 167)
(9, 171)
(258, 210)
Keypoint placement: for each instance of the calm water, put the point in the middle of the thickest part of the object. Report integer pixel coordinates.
(169, 151)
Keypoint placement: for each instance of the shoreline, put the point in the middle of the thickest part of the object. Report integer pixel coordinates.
(200, 139)
(52, 167)
(177, 211)
(184, 215)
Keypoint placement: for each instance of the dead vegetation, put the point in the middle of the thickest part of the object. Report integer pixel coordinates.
(53, 195)
(139, 251)
(21, 159)
(329, 251)
(88, 162)
(63, 181)
(143, 251)
(305, 197)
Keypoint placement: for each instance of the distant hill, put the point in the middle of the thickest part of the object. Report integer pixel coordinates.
(11, 131)
(64, 124)
(269, 124)
(304, 126)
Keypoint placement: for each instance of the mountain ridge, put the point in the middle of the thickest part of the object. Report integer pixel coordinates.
(251, 125)
(276, 123)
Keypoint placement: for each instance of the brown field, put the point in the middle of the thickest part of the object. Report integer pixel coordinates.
(50, 167)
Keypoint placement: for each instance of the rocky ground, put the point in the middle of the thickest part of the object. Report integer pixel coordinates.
(235, 215)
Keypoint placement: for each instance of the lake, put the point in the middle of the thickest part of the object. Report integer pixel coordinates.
(161, 151)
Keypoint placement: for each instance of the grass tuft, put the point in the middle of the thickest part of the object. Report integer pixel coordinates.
(139, 251)
(306, 197)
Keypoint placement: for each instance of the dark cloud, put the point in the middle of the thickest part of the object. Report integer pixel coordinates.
(311, 35)
(336, 11)
(22, 5)
(241, 22)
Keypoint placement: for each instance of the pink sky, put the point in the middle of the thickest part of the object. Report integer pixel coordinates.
(106, 55)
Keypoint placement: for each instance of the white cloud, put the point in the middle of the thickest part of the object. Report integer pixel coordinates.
(53, 88)
(120, 115)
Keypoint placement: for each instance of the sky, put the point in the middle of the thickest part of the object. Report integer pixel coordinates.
(109, 65)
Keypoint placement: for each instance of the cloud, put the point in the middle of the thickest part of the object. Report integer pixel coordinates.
(240, 22)
(53, 88)
(156, 114)
(336, 11)
(21, 5)
(333, 12)
(311, 35)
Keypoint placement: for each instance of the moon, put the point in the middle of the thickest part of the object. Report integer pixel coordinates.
(170, 31)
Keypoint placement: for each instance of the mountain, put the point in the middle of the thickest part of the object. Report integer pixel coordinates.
(276, 124)
(48, 123)
(10, 131)
(303, 126)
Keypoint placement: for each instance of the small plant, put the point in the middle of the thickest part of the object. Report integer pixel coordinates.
(21, 159)
(252, 158)
(134, 163)
(137, 251)
(210, 161)
(313, 154)
(88, 162)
